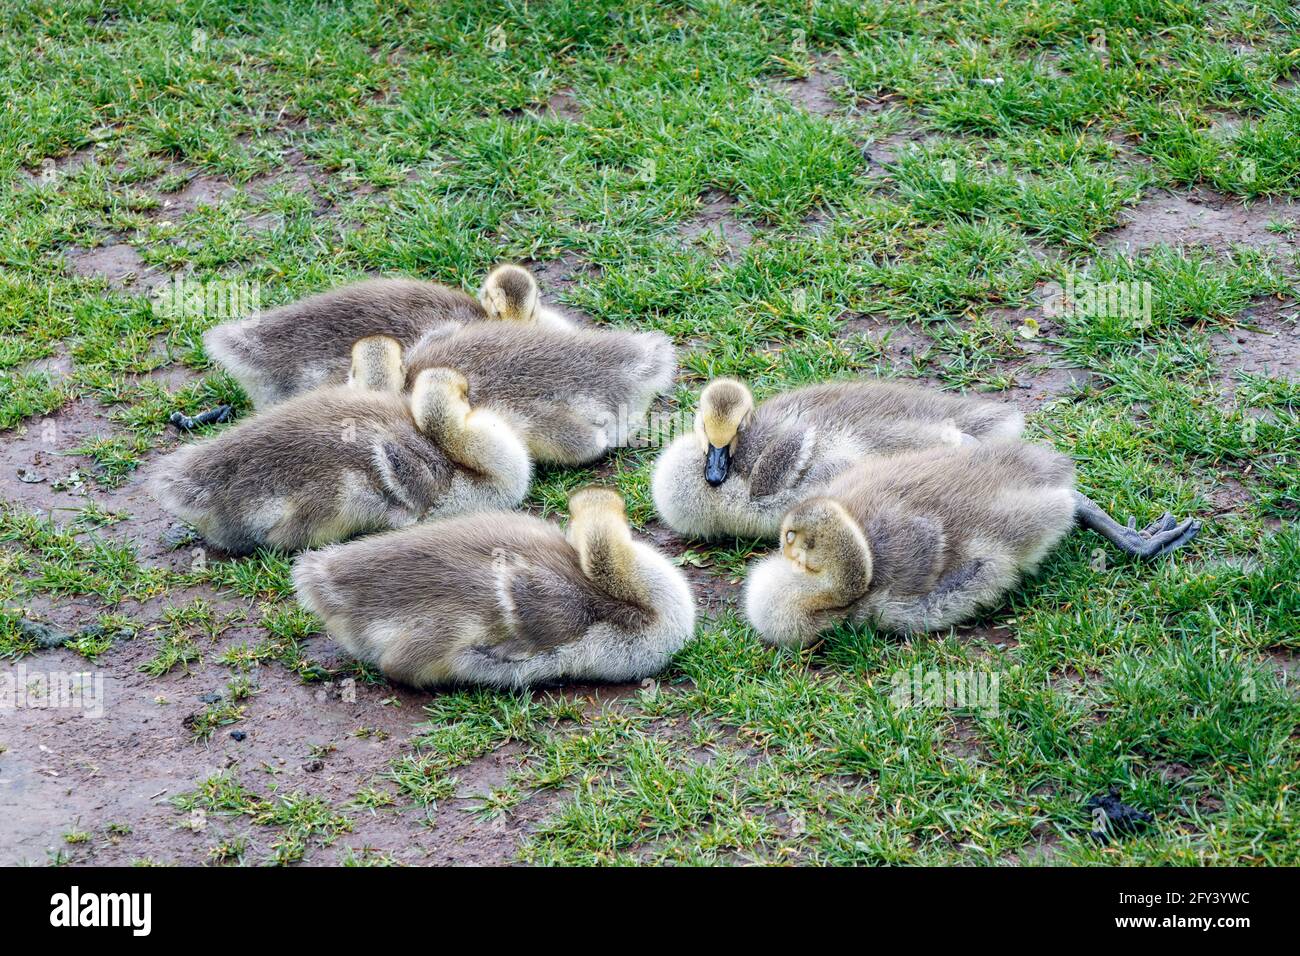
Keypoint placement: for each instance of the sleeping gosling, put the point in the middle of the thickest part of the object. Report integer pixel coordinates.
(503, 599)
(744, 466)
(336, 462)
(304, 345)
(922, 541)
(510, 294)
(573, 394)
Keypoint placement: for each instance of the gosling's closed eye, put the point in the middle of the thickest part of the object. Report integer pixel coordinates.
(789, 537)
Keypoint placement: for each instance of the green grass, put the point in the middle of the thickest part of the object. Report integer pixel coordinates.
(293, 822)
(978, 151)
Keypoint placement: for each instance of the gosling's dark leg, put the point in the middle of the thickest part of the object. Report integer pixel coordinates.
(1156, 540)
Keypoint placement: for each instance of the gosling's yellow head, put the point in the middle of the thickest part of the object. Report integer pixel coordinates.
(596, 499)
(446, 381)
(509, 294)
(726, 408)
(819, 536)
(439, 396)
(377, 364)
(597, 516)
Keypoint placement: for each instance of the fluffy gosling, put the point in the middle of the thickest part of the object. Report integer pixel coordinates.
(304, 345)
(503, 599)
(340, 461)
(922, 541)
(744, 466)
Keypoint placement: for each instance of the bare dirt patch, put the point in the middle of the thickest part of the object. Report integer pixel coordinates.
(713, 590)
(1205, 218)
(125, 767)
(888, 149)
(1266, 343)
(44, 448)
(717, 227)
(297, 174)
(1229, 495)
(1039, 375)
(563, 105)
(51, 169)
(962, 739)
(1287, 663)
(1041, 853)
(556, 274)
(1042, 377)
(202, 190)
(1038, 384)
(814, 91)
(118, 263)
(900, 345)
(903, 338)
(265, 223)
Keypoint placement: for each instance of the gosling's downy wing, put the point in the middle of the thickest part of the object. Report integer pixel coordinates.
(412, 469)
(908, 552)
(547, 607)
(543, 610)
(779, 444)
(783, 460)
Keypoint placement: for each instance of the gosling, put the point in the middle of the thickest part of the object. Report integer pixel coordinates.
(744, 467)
(336, 462)
(922, 541)
(277, 354)
(573, 394)
(503, 599)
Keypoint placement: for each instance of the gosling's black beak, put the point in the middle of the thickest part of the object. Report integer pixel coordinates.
(716, 465)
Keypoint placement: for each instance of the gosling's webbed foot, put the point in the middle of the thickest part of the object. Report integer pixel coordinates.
(1163, 523)
(1157, 539)
(1159, 544)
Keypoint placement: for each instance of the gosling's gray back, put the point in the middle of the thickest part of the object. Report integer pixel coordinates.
(284, 351)
(517, 366)
(573, 393)
(997, 495)
(882, 416)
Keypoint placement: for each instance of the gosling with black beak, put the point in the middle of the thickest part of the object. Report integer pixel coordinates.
(745, 465)
(726, 406)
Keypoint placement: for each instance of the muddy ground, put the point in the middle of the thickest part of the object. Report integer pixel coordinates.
(113, 779)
